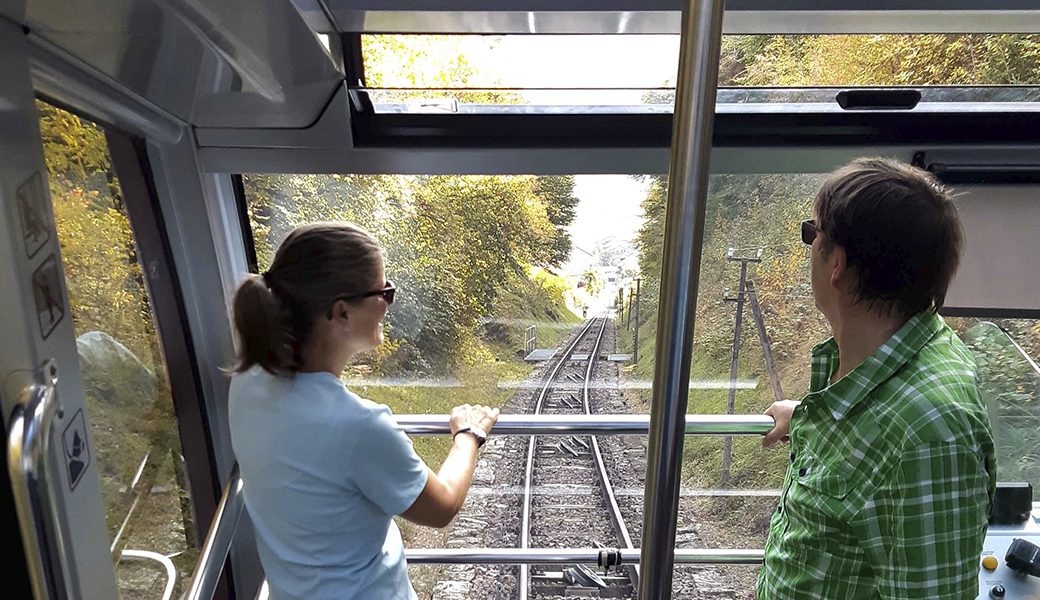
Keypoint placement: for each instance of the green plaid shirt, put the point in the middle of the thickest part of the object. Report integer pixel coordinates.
(891, 477)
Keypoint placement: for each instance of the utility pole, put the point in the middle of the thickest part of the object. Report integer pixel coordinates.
(635, 337)
(727, 442)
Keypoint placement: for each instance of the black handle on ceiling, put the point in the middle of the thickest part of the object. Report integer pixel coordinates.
(878, 99)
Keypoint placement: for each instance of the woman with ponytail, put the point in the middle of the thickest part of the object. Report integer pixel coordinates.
(324, 470)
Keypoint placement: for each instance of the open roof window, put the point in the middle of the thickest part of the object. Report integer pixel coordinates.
(636, 73)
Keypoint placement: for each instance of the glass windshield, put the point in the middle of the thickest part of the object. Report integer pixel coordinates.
(1010, 383)
(446, 73)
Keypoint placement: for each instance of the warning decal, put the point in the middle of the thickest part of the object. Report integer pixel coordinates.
(32, 208)
(50, 306)
(74, 444)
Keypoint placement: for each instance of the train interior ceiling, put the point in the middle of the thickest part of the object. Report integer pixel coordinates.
(514, 159)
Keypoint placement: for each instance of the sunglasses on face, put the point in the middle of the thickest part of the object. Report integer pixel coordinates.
(809, 231)
(387, 293)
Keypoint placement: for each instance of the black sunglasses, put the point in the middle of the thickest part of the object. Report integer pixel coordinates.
(809, 231)
(387, 293)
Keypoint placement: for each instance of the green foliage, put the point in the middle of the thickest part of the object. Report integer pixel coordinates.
(744, 213)
(433, 64)
(557, 191)
(126, 391)
(457, 247)
(747, 212)
(591, 283)
(1011, 388)
(835, 60)
(454, 246)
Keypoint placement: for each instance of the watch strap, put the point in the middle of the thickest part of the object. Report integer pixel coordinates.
(477, 433)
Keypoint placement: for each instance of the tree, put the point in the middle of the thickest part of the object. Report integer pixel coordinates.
(454, 244)
(557, 193)
(833, 60)
(590, 281)
(430, 63)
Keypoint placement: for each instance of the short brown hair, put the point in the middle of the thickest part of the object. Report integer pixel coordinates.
(900, 232)
(314, 266)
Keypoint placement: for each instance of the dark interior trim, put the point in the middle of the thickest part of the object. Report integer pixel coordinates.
(991, 313)
(390, 130)
(129, 159)
(16, 570)
(243, 220)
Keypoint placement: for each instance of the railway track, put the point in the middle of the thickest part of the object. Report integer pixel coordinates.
(558, 491)
(568, 499)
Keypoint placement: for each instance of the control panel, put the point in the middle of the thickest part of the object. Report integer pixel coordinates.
(1010, 563)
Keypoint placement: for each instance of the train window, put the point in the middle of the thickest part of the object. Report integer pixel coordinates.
(497, 278)
(134, 432)
(479, 260)
(729, 487)
(755, 265)
(438, 73)
(1007, 353)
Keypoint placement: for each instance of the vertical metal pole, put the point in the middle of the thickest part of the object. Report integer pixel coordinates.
(727, 442)
(635, 338)
(680, 273)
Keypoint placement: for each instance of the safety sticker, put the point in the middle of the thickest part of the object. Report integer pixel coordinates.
(50, 305)
(74, 444)
(33, 210)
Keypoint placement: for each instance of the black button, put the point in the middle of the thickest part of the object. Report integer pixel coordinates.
(997, 592)
(780, 509)
(792, 457)
(802, 472)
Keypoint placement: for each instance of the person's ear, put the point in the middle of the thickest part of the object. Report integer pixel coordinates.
(839, 266)
(340, 312)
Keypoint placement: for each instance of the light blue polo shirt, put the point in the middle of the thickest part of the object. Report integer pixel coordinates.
(323, 471)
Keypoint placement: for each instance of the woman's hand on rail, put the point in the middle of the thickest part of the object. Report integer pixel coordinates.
(781, 412)
(445, 490)
(469, 415)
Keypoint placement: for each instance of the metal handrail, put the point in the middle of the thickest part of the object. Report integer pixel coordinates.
(217, 545)
(167, 564)
(225, 522)
(1025, 355)
(222, 529)
(593, 424)
(552, 556)
(565, 556)
(28, 444)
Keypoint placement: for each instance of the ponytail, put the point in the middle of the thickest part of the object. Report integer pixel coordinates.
(315, 265)
(262, 334)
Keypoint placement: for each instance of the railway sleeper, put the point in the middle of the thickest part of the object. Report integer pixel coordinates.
(575, 450)
(581, 582)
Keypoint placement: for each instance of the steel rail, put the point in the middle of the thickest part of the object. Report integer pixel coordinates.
(525, 518)
(615, 511)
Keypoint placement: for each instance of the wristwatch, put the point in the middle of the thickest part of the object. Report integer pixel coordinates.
(475, 431)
